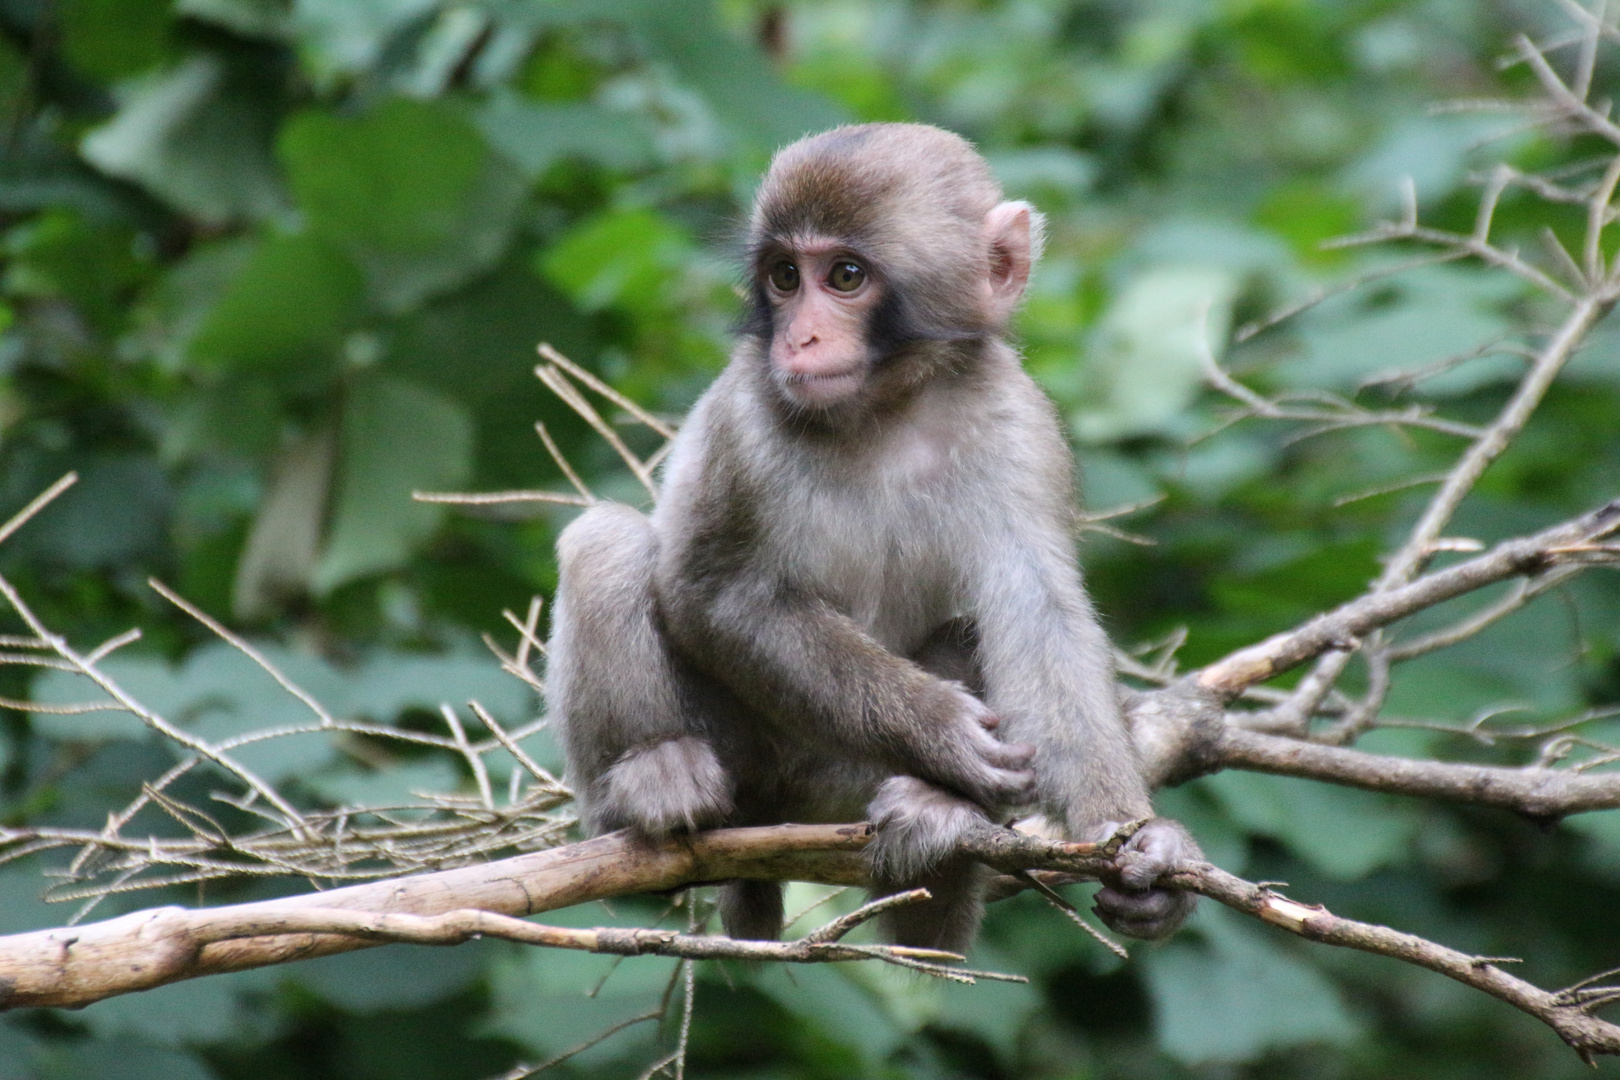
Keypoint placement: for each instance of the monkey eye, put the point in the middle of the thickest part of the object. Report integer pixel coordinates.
(846, 276)
(785, 276)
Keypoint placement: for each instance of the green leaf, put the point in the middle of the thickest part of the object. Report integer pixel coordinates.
(348, 36)
(396, 785)
(551, 1000)
(390, 682)
(21, 906)
(477, 345)
(397, 438)
(1344, 832)
(1416, 319)
(1146, 360)
(841, 1004)
(19, 1049)
(190, 140)
(270, 19)
(398, 977)
(124, 1059)
(996, 1012)
(288, 308)
(109, 39)
(622, 256)
(1238, 995)
(194, 1011)
(63, 254)
(536, 135)
(220, 692)
(1433, 151)
(118, 513)
(737, 83)
(409, 190)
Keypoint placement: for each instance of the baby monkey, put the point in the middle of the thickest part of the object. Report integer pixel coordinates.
(858, 596)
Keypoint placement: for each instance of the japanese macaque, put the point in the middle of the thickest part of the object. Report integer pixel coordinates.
(857, 596)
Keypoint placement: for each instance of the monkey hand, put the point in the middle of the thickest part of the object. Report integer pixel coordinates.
(962, 753)
(1129, 901)
(672, 786)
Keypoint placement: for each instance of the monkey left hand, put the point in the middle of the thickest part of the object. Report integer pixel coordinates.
(1129, 902)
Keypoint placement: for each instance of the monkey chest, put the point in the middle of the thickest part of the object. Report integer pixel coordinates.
(887, 559)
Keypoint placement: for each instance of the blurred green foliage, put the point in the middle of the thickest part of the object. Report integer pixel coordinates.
(270, 265)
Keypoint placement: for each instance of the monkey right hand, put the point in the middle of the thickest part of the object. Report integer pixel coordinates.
(963, 754)
(676, 785)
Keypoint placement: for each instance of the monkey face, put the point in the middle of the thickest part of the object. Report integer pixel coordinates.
(821, 295)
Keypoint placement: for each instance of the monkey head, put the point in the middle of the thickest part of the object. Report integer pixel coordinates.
(866, 242)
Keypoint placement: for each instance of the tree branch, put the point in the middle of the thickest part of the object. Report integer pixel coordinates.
(1534, 792)
(1340, 628)
(80, 965)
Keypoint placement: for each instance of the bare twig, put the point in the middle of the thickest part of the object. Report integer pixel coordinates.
(1341, 627)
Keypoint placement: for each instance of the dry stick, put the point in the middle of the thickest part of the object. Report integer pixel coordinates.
(533, 768)
(1563, 1011)
(148, 717)
(1536, 792)
(1340, 628)
(500, 498)
(1594, 121)
(66, 967)
(558, 384)
(36, 504)
(562, 462)
(1420, 543)
(474, 760)
(242, 646)
(606, 391)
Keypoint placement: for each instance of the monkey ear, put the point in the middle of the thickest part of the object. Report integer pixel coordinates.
(1015, 231)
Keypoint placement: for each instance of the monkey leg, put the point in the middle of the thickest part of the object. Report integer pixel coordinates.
(751, 910)
(918, 826)
(636, 756)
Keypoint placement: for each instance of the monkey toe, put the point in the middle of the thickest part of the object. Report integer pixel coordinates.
(672, 786)
(1155, 850)
(918, 826)
(1147, 913)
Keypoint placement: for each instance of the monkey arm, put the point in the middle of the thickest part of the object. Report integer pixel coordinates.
(812, 671)
(1049, 674)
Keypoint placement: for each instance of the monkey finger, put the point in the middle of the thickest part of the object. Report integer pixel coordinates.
(1015, 756)
(1015, 787)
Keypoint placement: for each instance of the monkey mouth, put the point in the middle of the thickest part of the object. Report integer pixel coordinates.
(820, 390)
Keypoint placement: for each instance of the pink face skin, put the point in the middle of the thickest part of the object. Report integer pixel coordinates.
(821, 297)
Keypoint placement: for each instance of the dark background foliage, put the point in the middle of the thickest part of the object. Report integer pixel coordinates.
(265, 268)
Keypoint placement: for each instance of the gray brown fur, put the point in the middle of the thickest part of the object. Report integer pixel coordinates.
(794, 634)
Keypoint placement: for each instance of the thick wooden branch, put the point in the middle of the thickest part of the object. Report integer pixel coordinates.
(79, 965)
(1344, 625)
